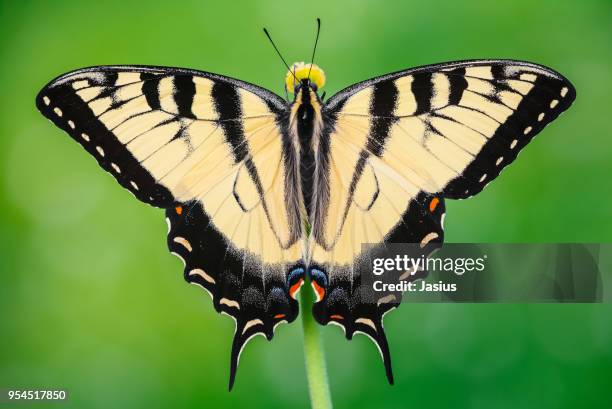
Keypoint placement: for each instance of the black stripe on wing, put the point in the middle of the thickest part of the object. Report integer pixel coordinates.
(184, 91)
(384, 101)
(150, 86)
(458, 84)
(227, 103)
(422, 88)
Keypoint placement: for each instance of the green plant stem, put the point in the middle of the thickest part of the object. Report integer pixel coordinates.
(314, 356)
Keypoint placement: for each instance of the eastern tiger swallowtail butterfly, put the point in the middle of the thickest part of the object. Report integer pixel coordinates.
(262, 193)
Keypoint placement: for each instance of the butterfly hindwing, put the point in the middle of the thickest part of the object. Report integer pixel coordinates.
(258, 296)
(394, 147)
(345, 297)
(210, 150)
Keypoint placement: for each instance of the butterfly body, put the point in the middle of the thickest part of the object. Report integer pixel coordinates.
(261, 194)
(308, 122)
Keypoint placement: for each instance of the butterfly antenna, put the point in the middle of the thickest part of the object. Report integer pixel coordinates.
(315, 46)
(279, 54)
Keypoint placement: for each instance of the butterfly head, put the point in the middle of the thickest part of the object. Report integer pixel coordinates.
(304, 75)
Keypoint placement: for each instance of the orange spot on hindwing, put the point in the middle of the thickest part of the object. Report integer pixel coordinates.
(279, 316)
(433, 204)
(295, 288)
(319, 291)
(179, 210)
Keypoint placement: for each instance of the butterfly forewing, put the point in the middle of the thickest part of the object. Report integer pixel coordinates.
(451, 128)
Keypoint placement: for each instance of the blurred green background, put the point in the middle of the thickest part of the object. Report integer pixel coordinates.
(91, 300)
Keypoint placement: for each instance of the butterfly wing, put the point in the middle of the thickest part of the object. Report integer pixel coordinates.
(213, 152)
(467, 120)
(395, 146)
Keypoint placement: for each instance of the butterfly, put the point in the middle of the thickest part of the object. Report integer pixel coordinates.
(262, 194)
